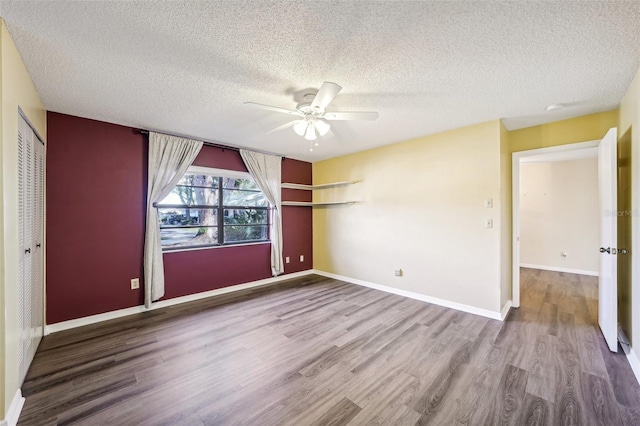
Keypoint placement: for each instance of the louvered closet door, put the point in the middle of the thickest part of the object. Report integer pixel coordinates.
(30, 227)
(37, 312)
(22, 134)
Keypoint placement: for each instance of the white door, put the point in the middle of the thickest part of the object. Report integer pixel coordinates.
(30, 227)
(37, 314)
(608, 279)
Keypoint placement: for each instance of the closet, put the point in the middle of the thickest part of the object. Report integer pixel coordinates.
(31, 163)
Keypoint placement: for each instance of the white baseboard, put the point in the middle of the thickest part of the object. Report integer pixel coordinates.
(424, 298)
(14, 410)
(505, 310)
(557, 269)
(634, 361)
(66, 325)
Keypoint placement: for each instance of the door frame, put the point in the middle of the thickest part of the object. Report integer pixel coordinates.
(555, 153)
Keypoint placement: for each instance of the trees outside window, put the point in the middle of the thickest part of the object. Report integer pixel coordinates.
(210, 207)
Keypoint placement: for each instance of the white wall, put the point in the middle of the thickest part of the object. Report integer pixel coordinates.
(559, 214)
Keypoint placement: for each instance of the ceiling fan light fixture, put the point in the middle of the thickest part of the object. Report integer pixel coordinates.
(313, 117)
(321, 127)
(300, 127)
(310, 135)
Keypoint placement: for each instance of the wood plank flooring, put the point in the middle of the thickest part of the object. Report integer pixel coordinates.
(316, 351)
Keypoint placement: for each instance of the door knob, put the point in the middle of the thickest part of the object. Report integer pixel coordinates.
(623, 251)
(608, 250)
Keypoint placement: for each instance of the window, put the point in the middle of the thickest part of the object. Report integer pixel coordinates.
(211, 207)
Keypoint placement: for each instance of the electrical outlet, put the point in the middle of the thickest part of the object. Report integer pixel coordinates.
(397, 272)
(135, 283)
(287, 259)
(302, 258)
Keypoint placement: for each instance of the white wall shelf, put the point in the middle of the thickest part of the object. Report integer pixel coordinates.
(310, 204)
(312, 187)
(304, 187)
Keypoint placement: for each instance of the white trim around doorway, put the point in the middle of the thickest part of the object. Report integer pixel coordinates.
(566, 152)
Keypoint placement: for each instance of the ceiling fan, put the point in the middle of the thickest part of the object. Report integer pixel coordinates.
(312, 115)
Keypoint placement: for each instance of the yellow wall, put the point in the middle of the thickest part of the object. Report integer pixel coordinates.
(421, 208)
(3, 405)
(630, 123)
(17, 90)
(574, 130)
(625, 232)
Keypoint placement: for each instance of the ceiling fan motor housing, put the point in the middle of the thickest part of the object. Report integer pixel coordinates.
(308, 109)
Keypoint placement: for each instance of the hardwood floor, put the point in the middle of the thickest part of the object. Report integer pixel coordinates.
(315, 351)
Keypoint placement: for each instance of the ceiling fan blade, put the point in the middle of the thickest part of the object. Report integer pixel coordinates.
(325, 95)
(284, 126)
(368, 116)
(272, 108)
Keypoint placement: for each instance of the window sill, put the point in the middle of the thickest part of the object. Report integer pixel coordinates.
(213, 247)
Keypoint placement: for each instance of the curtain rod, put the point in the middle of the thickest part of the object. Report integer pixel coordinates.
(212, 144)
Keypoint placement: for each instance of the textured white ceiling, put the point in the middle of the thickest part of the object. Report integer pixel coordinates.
(187, 67)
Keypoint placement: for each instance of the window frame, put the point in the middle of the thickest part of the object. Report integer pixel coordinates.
(220, 207)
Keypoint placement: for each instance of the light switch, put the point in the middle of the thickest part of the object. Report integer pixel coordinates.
(488, 223)
(488, 203)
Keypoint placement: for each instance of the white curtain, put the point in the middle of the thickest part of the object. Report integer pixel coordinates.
(266, 170)
(169, 159)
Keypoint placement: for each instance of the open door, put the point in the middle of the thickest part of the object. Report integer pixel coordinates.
(608, 279)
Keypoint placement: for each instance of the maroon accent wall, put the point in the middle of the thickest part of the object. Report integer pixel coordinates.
(298, 231)
(96, 180)
(96, 197)
(220, 159)
(190, 272)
